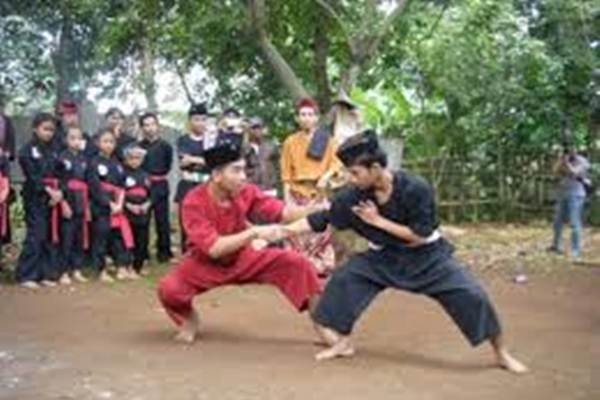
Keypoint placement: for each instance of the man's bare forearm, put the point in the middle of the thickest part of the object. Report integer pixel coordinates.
(294, 213)
(402, 232)
(231, 243)
(297, 227)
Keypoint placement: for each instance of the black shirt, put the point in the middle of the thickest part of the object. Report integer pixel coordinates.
(186, 145)
(38, 160)
(101, 170)
(136, 179)
(411, 204)
(159, 156)
(74, 166)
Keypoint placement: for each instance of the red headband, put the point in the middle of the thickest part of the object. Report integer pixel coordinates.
(67, 107)
(307, 102)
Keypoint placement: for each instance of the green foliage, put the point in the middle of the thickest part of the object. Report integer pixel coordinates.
(491, 83)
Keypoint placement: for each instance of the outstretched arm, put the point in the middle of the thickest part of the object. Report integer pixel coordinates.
(297, 227)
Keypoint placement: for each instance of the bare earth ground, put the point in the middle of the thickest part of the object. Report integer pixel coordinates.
(98, 341)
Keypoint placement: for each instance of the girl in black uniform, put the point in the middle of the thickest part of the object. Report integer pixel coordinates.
(75, 235)
(137, 204)
(112, 233)
(42, 196)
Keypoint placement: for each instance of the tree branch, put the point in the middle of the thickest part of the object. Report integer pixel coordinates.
(385, 27)
(184, 84)
(257, 20)
(337, 17)
(435, 24)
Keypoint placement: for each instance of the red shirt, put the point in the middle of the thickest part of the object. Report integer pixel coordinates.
(204, 219)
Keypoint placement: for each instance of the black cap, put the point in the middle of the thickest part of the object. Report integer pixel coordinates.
(355, 146)
(197, 109)
(226, 150)
(232, 112)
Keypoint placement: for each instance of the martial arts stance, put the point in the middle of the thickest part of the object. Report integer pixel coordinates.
(396, 213)
(221, 251)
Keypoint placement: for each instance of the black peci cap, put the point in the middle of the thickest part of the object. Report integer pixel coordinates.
(357, 145)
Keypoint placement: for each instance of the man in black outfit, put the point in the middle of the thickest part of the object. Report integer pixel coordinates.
(396, 213)
(157, 163)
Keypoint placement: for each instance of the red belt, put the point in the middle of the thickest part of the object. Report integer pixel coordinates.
(119, 220)
(52, 183)
(4, 186)
(77, 185)
(158, 178)
(138, 191)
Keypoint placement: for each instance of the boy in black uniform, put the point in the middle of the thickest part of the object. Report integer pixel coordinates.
(75, 235)
(190, 149)
(157, 163)
(112, 233)
(42, 196)
(396, 213)
(137, 204)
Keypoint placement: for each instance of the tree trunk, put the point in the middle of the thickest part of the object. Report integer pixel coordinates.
(321, 51)
(68, 83)
(148, 74)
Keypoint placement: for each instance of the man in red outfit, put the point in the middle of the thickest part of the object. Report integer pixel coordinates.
(221, 219)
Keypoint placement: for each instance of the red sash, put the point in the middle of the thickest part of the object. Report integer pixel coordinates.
(119, 221)
(158, 178)
(77, 185)
(138, 191)
(4, 186)
(52, 183)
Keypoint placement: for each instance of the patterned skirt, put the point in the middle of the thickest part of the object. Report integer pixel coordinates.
(316, 247)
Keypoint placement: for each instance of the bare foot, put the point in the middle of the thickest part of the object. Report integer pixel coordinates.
(78, 277)
(511, 364)
(122, 274)
(105, 277)
(189, 329)
(343, 348)
(65, 279)
(133, 275)
(30, 285)
(326, 337)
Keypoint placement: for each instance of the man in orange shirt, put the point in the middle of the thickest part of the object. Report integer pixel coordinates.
(308, 162)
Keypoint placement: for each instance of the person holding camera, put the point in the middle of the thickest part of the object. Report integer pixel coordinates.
(571, 168)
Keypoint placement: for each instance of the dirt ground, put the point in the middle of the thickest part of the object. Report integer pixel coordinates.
(98, 341)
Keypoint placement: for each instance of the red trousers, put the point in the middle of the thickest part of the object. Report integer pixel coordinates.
(287, 270)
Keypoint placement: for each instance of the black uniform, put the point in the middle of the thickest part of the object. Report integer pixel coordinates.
(137, 191)
(429, 269)
(103, 170)
(39, 256)
(75, 233)
(157, 163)
(192, 175)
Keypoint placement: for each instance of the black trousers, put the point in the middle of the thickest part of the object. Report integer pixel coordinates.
(72, 251)
(434, 273)
(39, 256)
(159, 195)
(183, 188)
(140, 225)
(107, 241)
